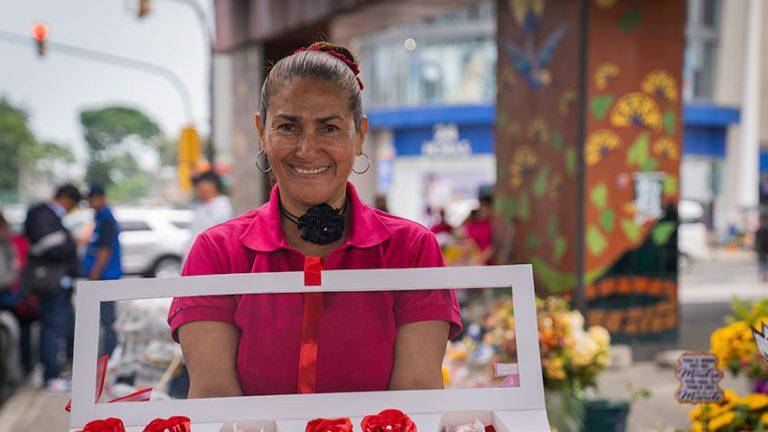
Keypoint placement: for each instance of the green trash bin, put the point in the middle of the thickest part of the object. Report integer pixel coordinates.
(602, 415)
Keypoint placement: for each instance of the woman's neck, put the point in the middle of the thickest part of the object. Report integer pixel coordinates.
(293, 235)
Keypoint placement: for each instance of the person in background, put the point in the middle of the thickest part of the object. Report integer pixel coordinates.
(52, 250)
(9, 261)
(212, 208)
(480, 229)
(761, 247)
(102, 259)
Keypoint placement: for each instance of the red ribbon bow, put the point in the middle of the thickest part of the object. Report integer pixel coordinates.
(106, 425)
(389, 420)
(329, 425)
(171, 424)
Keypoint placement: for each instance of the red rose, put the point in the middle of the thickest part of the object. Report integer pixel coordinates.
(390, 420)
(172, 424)
(106, 425)
(329, 425)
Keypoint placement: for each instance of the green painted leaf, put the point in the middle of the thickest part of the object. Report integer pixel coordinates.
(669, 120)
(532, 240)
(523, 207)
(570, 161)
(552, 225)
(599, 196)
(631, 230)
(638, 152)
(662, 232)
(630, 19)
(592, 275)
(561, 244)
(540, 184)
(599, 105)
(554, 280)
(557, 140)
(650, 165)
(596, 241)
(510, 209)
(608, 220)
(670, 185)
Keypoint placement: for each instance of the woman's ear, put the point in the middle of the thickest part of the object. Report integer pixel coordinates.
(362, 132)
(259, 120)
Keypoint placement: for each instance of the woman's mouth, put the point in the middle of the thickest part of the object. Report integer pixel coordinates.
(309, 171)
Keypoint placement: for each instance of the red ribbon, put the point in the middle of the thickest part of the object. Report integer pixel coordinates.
(171, 424)
(106, 425)
(313, 309)
(329, 425)
(142, 395)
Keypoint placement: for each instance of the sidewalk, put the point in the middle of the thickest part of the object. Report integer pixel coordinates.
(33, 410)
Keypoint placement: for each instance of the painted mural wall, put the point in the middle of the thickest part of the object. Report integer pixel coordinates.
(588, 146)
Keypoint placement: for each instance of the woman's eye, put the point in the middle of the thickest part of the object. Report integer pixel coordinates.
(287, 127)
(330, 128)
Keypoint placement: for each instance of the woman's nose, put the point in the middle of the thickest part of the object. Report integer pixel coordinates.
(308, 145)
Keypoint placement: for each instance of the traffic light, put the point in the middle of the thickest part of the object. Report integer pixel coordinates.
(40, 33)
(189, 155)
(145, 8)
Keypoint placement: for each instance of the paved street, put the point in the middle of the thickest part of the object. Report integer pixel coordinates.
(704, 292)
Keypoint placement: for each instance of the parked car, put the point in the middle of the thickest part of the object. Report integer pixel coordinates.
(692, 234)
(153, 241)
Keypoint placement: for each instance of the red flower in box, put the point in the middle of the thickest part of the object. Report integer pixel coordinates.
(390, 420)
(171, 424)
(329, 425)
(106, 425)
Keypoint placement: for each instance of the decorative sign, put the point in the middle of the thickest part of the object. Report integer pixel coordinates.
(699, 378)
(648, 196)
(446, 143)
(761, 339)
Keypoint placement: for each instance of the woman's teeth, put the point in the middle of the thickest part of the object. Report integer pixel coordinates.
(310, 171)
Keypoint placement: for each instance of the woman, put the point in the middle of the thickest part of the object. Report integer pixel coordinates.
(311, 130)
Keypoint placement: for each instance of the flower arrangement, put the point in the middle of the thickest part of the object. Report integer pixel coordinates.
(735, 346)
(733, 414)
(571, 356)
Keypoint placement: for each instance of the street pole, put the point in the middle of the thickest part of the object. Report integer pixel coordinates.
(114, 60)
(202, 18)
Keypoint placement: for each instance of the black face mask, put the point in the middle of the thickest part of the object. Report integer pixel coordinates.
(321, 224)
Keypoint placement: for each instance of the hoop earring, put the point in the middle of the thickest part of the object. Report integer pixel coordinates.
(368, 160)
(259, 166)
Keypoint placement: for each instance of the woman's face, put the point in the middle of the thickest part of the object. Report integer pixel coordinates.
(310, 138)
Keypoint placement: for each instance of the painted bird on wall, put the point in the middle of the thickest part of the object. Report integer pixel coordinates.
(761, 338)
(529, 62)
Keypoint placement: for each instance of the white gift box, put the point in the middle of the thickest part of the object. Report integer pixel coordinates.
(509, 409)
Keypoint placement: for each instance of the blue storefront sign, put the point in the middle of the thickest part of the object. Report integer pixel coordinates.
(445, 130)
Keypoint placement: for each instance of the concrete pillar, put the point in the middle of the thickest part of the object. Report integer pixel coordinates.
(248, 183)
(749, 150)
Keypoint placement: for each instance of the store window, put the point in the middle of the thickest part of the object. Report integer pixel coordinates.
(448, 59)
(702, 34)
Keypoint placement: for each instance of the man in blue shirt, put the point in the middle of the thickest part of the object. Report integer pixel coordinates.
(102, 259)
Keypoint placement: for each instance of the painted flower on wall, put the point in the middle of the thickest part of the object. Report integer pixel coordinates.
(538, 130)
(523, 160)
(660, 84)
(636, 110)
(599, 144)
(667, 148)
(606, 73)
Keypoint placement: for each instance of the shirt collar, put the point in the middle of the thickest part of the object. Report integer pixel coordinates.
(58, 209)
(265, 232)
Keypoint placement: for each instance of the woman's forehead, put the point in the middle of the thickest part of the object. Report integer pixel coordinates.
(310, 98)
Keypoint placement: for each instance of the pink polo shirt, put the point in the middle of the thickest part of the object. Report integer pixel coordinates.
(357, 329)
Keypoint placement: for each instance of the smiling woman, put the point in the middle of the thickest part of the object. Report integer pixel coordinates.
(311, 129)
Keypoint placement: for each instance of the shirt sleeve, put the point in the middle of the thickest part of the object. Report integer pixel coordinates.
(106, 233)
(202, 260)
(428, 305)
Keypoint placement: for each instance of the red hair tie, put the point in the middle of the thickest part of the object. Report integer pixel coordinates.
(352, 65)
